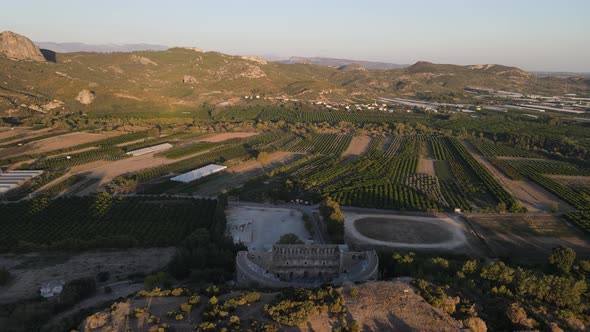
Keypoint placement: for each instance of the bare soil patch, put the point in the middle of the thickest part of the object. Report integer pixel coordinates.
(106, 171)
(433, 233)
(395, 306)
(358, 146)
(66, 141)
(426, 166)
(528, 236)
(225, 136)
(239, 174)
(400, 230)
(31, 270)
(534, 197)
(19, 133)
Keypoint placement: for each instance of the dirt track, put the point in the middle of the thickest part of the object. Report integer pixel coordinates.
(405, 231)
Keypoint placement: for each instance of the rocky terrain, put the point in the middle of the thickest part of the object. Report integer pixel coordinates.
(17, 47)
(376, 306)
(331, 62)
(180, 79)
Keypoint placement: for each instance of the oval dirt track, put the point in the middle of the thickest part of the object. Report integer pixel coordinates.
(405, 231)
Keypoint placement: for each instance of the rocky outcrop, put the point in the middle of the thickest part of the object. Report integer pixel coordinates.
(553, 327)
(475, 324)
(86, 97)
(255, 59)
(142, 60)
(189, 79)
(97, 320)
(17, 47)
(46, 107)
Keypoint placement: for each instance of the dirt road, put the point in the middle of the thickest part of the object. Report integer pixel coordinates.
(530, 194)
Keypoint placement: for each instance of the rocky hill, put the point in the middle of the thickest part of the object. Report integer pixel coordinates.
(375, 306)
(180, 79)
(17, 47)
(100, 48)
(332, 62)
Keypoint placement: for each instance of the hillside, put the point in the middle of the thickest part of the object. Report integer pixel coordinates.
(17, 47)
(377, 306)
(101, 48)
(332, 62)
(180, 79)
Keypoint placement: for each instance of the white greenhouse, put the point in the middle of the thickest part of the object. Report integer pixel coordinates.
(199, 173)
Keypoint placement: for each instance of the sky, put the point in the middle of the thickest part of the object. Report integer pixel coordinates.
(542, 35)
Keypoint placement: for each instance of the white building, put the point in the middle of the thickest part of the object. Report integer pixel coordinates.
(150, 149)
(199, 173)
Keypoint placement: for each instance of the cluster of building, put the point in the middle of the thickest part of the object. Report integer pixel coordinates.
(356, 107)
(13, 179)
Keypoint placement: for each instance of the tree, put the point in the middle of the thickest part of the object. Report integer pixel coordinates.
(330, 210)
(562, 258)
(262, 157)
(159, 279)
(554, 207)
(289, 238)
(501, 207)
(517, 207)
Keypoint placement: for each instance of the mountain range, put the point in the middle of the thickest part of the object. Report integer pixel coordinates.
(181, 79)
(100, 48)
(341, 63)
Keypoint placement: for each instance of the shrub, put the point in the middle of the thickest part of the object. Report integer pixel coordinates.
(562, 259)
(159, 279)
(289, 238)
(4, 276)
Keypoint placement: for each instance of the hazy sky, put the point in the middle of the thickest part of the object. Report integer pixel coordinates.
(533, 35)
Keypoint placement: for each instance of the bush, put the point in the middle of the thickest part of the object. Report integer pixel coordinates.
(562, 259)
(159, 279)
(103, 276)
(289, 238)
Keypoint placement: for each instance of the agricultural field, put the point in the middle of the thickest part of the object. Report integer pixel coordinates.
(547, 166)
(415, 172)
(547, 173)
(489, 149)
(329, 144)
(528, 237)
(42, 223)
